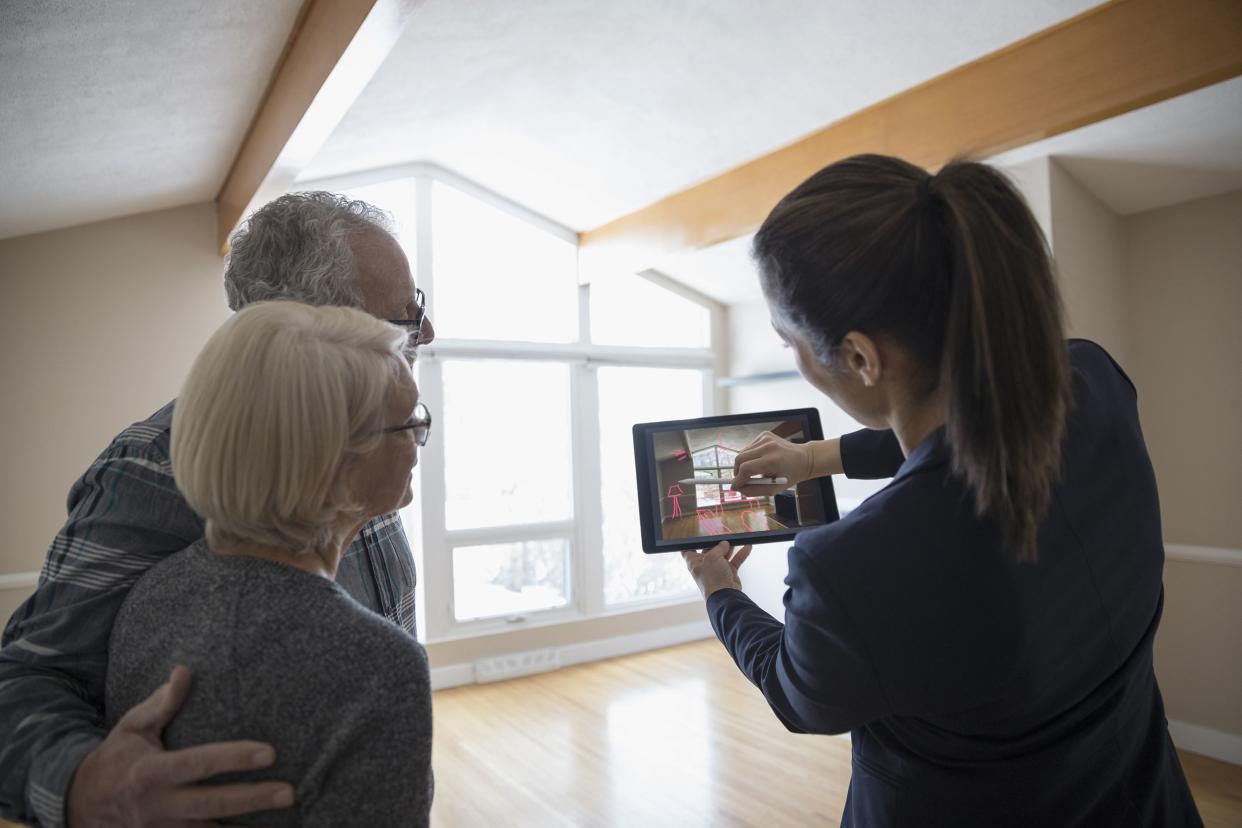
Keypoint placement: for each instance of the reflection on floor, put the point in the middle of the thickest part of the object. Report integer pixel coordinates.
(708, 522)
(673, 737)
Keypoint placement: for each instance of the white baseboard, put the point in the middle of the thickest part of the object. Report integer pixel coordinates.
(1203, 554)
(20, 580)
(455, 675)
(1227, 747)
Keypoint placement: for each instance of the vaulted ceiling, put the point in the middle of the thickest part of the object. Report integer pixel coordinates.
(580, 110)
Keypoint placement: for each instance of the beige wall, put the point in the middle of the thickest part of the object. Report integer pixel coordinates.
(98, 326)
(1185, 305)
(1199, 645)
(1087, 245)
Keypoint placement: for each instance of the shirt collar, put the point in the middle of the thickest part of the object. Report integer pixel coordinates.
(933, 451)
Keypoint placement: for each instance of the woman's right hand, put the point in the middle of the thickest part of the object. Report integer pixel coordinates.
(772, 456)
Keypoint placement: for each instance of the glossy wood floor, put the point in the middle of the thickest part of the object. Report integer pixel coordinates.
(674, 737)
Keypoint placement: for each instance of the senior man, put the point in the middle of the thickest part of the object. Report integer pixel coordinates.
(57, 763)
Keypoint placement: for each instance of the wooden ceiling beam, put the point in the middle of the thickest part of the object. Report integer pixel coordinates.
(1111, 59)
(336, 47)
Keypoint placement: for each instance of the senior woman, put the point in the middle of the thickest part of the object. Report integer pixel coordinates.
(296, 425)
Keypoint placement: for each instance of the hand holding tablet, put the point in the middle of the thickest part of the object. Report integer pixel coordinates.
(686, 470)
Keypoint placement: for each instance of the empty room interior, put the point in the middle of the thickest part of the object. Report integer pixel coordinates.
(578, 190)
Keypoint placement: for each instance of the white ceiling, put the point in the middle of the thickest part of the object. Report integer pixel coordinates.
(584, 111)
(1178, 150)
(118, 107)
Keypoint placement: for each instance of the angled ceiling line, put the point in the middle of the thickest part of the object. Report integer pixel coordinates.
(1112, 59)
(335, 49)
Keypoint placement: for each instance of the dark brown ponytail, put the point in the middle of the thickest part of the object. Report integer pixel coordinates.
(955, 270)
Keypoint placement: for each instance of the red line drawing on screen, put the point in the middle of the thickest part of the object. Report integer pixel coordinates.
(680, 455)
(675, 496)
(709, 523)
(749, 514)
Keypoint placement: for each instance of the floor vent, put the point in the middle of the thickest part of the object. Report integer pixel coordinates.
(514, 665)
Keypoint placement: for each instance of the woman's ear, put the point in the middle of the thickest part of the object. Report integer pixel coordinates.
(861, 358)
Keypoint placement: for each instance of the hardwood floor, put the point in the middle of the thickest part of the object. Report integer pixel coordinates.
(674, 737)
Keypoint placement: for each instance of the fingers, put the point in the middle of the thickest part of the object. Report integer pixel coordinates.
(739, 557)
(760, 489)
(766, 466)
(194, 764)
(747, 461)
(696, 559)
(206, 802)
(157, 710)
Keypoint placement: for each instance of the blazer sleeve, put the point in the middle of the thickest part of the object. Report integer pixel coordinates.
(813, 670)
(870, 454)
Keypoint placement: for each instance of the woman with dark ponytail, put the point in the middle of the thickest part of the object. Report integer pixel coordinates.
(983, 625)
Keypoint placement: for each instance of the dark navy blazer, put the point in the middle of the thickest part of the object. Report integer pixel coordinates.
(979, 691)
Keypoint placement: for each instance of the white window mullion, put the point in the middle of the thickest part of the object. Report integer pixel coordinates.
(589, 538)
(484, 535)
(437, 574)
(423, 275)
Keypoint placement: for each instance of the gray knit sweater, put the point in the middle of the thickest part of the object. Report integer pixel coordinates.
(286, 657)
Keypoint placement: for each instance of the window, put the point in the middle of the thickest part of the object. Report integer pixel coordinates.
(497, 277)
(509, 578)
(632, 310)
(506, 435)
(526, 504)
(629, 395)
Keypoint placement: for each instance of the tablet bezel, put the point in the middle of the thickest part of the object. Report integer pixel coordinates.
(648, 503)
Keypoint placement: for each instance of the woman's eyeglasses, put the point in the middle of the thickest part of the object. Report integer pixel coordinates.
(419, 423)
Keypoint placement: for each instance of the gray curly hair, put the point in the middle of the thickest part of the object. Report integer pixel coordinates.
(297, 247)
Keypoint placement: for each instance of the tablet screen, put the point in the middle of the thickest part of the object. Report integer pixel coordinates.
(683, 469)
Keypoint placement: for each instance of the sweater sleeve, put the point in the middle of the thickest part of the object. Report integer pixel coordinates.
(813, 670)
(870, 454)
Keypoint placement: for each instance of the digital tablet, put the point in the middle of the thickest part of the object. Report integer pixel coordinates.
(682, 501)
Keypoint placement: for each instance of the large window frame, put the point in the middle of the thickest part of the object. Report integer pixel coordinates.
(583, 529)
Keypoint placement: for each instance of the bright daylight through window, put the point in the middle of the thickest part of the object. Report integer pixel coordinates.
(525, 498)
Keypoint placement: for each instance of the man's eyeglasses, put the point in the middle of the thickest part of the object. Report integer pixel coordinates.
(419, 423)
(414, 326)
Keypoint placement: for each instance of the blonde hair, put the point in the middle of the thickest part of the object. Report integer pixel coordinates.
(279, 399)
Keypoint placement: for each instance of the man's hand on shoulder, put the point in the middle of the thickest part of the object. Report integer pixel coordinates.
(130, 780)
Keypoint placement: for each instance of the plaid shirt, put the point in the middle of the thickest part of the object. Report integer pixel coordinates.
(125, 515)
